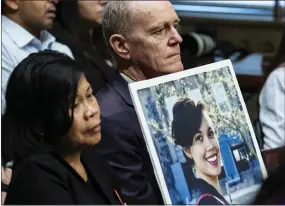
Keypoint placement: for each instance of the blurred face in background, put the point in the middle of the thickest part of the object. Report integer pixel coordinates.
(92, 10)
(32, 15)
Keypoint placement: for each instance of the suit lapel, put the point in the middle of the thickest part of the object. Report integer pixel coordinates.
(121, 87)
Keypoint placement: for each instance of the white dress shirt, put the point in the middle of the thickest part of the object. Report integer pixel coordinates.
(17, 44)
(128, 79)
(272, 109)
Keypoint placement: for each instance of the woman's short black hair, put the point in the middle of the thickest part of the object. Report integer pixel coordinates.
(187, 119)
(40, 93)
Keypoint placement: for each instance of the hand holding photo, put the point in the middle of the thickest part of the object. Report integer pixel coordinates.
(199, 136)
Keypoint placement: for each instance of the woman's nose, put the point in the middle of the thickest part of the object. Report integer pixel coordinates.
(209, 145)
(90, 112)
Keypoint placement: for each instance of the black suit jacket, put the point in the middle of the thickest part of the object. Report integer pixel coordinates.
(96, 70)
(123, 145)
(46, 179)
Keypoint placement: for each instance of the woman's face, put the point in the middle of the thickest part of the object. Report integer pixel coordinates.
(85, 129)
(205, 151)
(91, 11)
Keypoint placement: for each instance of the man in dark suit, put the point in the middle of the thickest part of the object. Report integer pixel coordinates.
(144, 43)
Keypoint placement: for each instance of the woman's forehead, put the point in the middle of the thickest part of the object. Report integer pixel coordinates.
(206, 118)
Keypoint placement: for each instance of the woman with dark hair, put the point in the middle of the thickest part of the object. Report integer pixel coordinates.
(272, 102)
(78, 25)
(193, 131)
(51, 118)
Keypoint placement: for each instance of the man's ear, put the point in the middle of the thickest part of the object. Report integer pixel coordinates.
(187, 152)
(120, 46)
(12, 4)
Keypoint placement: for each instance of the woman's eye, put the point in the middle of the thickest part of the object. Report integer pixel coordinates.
(76, 104)
(211, 134)
(199, 139)
(89, 95)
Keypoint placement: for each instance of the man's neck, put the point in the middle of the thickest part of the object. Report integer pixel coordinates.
(133, 73)
(19, 21)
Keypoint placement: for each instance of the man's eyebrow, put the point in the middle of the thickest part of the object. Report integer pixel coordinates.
(156, 26)
(89, 88)
(177, 20)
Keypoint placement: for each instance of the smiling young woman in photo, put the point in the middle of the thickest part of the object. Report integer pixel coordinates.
(193, 131)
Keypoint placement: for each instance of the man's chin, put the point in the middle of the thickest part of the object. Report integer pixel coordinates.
(178, 67)
(48, 24)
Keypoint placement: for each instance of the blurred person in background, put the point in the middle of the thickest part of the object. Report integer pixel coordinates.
(24, 31)
(272, 102)
(78, 25)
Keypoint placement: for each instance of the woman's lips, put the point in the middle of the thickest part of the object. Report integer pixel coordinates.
(94, 130)
(213, 160)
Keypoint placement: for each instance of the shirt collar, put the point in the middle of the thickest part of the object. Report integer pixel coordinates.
(128, 79)
(21, 36)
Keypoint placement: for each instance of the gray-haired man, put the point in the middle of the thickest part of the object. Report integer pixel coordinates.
(144, 43)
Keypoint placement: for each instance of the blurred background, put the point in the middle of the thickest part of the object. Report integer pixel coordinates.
(247, 32)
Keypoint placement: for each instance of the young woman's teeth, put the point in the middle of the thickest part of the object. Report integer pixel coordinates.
(212, 159)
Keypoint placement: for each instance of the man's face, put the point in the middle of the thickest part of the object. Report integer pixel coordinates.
(154, 40)
(37, 15)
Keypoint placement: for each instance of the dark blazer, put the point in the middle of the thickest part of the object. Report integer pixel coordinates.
(96, 70)
(46, 179)
(123, 145)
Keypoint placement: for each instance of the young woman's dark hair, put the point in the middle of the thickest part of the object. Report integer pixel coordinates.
(187, 119)
(41, 88)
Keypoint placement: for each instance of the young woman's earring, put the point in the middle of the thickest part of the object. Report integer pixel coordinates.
(194, 172)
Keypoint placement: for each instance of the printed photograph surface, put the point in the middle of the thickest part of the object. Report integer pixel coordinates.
(199, 136)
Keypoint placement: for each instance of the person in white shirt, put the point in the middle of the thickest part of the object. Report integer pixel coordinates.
(24, 25)
(272, 102)
(272, 109)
